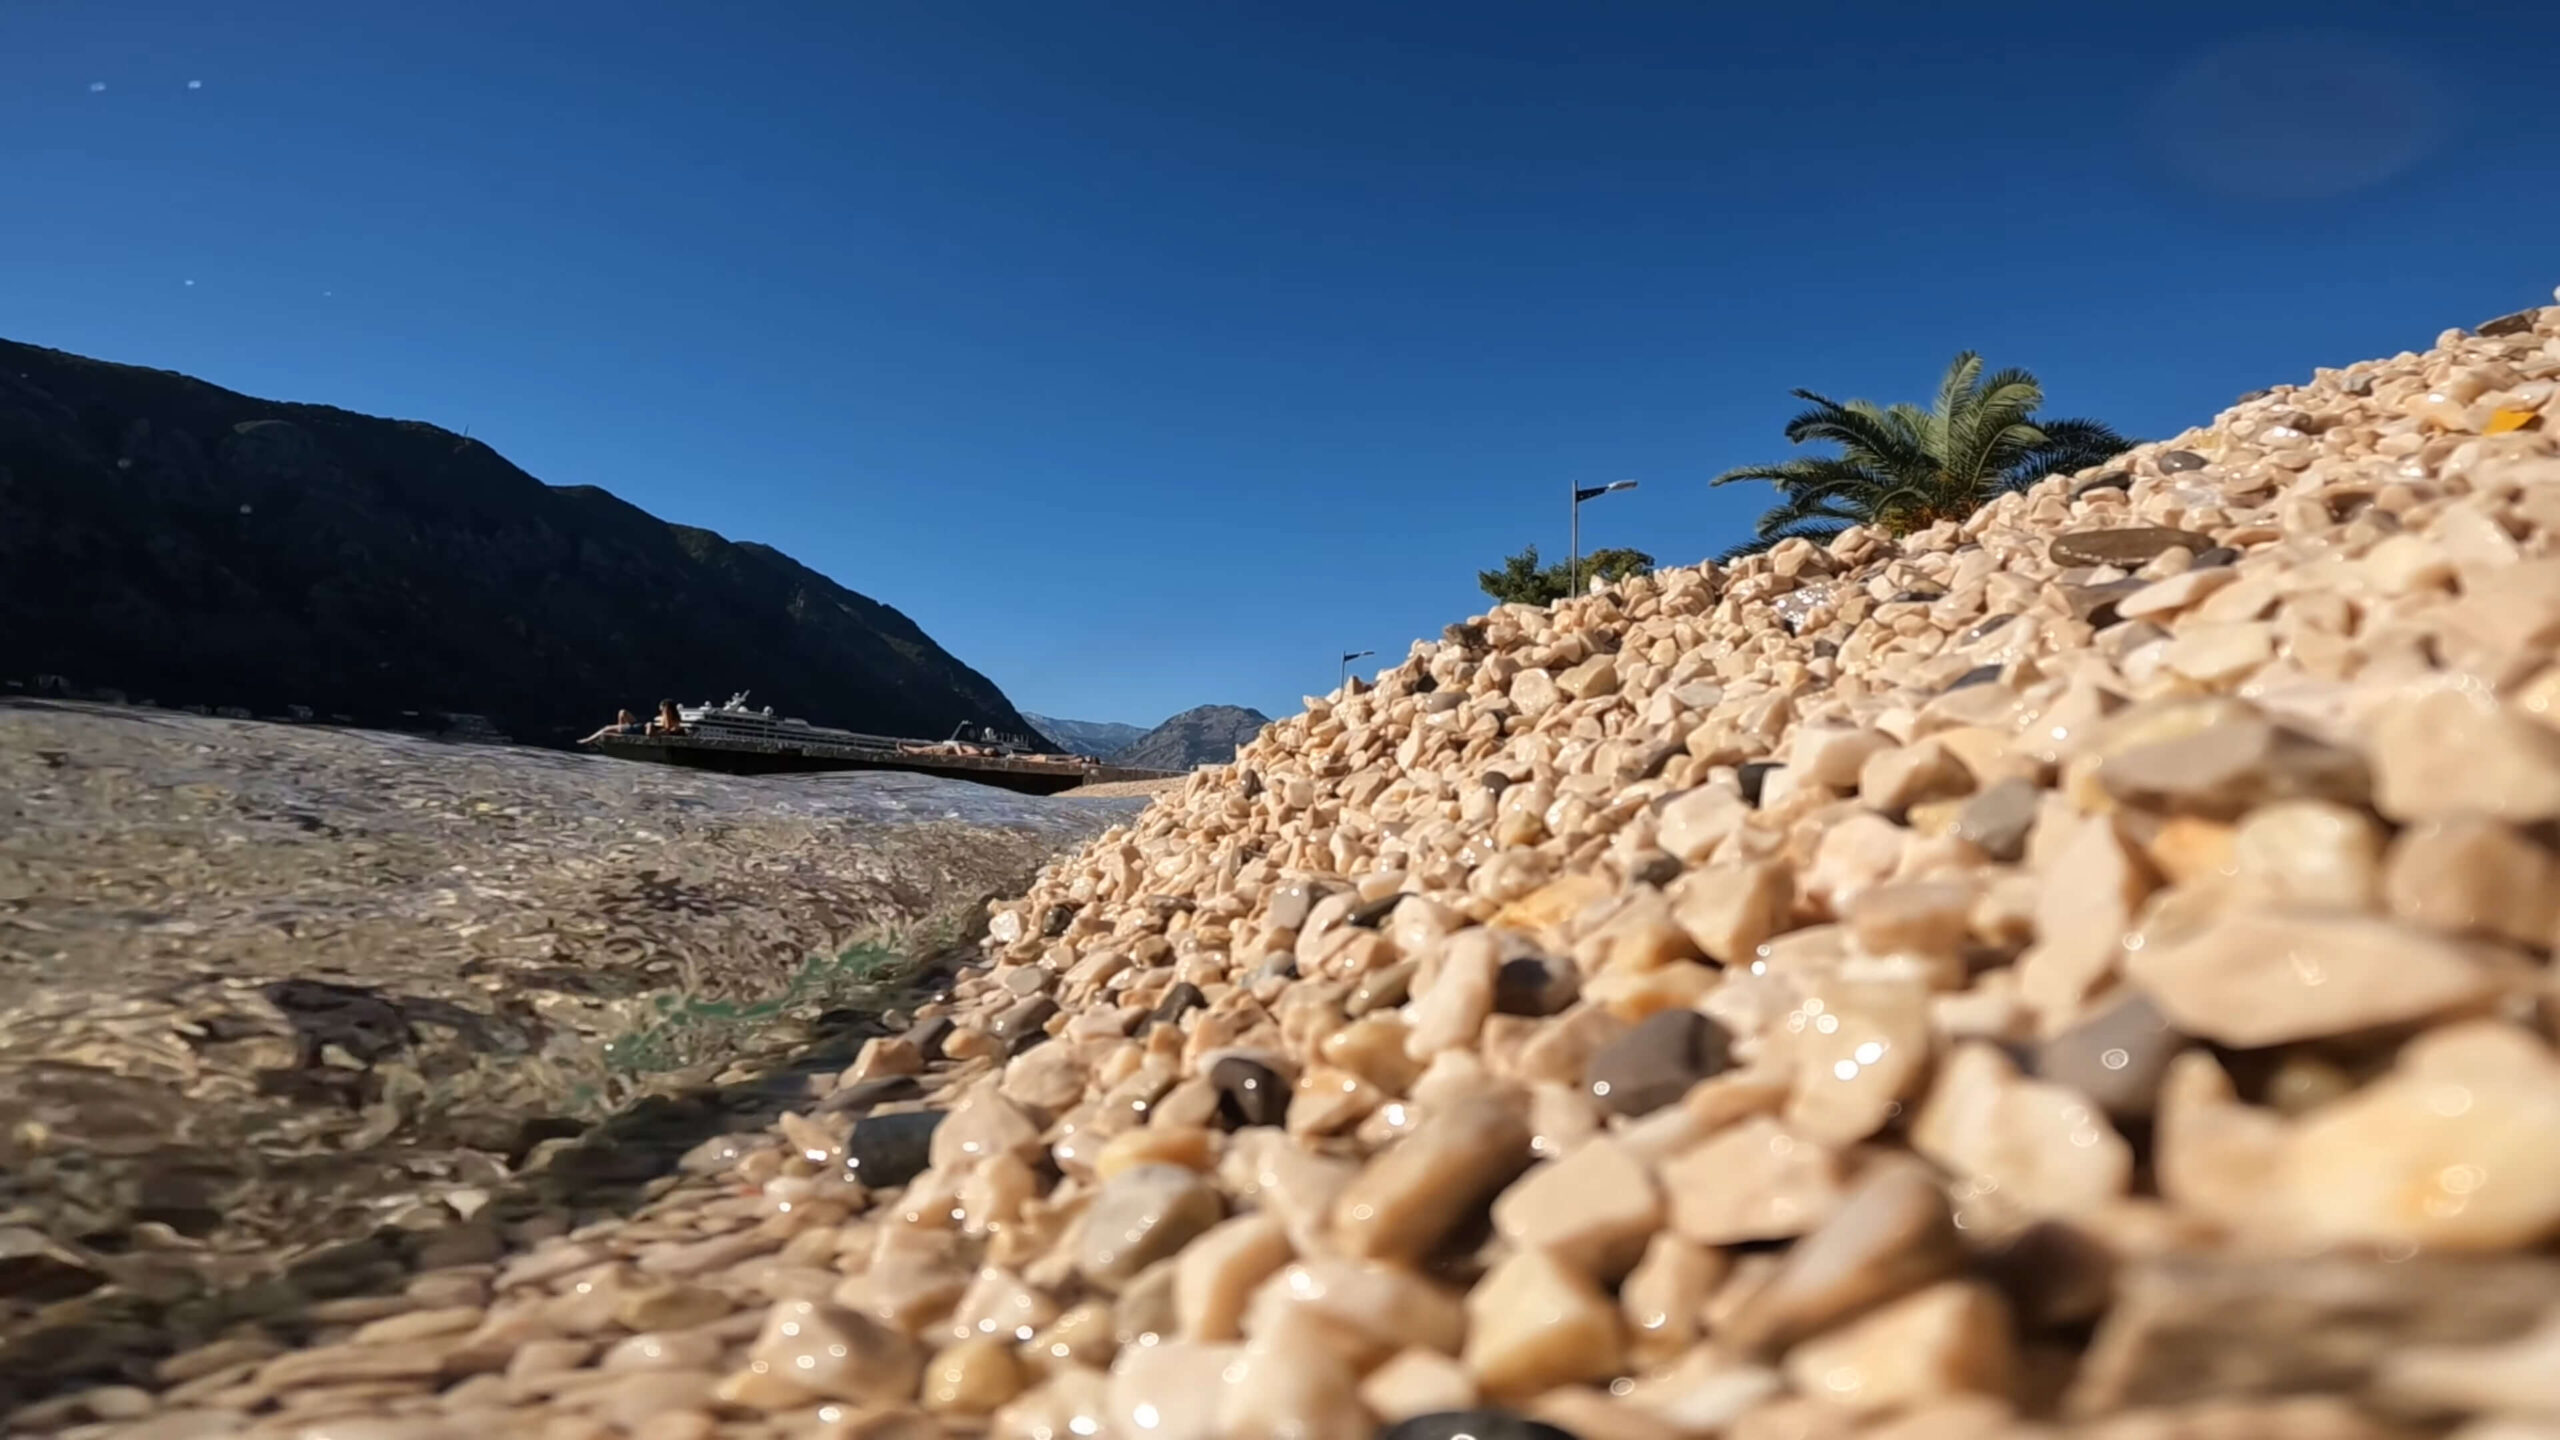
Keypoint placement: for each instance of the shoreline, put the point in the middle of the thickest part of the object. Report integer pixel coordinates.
(264, 988)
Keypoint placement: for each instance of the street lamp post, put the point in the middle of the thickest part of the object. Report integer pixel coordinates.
(1573, 571)
(1344, 674)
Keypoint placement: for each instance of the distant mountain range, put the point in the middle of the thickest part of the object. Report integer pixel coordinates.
(175, 541)
(1208, 735)
(1100, 739)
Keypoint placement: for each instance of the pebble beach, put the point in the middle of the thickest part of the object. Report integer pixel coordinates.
(2081, 973)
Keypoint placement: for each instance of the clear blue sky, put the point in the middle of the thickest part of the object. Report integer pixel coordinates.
(1152, 354)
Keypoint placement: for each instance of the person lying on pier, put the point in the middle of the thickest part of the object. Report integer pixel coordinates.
(624, 723)
(668, 722)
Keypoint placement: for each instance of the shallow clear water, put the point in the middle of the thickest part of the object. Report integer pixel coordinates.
(876, 797)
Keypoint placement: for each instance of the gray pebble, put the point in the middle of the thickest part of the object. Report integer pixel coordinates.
(1984, 627)
(2126, 547)
(928, 1036)
(1379, 989)
(1535, 985)
(1179, 1001)
(1655, 1063)
(889, 1150)
(1997, 820)
(1656, 868)
(864, 1095)
(1370, 914)
(2117, 1056)
(2097, 603)
(1978, 675)
(1249, 1092)
(1020, 1026)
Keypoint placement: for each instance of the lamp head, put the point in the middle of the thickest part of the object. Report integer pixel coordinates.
(1594, 492)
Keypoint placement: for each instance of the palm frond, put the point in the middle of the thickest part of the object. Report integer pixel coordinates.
(2093, 438)
(1901, 508)
(1857, 428)
(1991, 453)
(1972, 416)
(2067, 448)
(1911, 422)
(1782, 474)
(1819, 532)
(1957, 384)
(2010, 389)
(1794, 511)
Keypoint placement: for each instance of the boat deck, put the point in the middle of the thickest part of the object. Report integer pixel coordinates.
(790, 754)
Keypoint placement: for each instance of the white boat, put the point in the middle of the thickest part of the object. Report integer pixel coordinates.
(738, 720)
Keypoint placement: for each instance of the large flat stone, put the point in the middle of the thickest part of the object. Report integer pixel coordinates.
(2194, 1327)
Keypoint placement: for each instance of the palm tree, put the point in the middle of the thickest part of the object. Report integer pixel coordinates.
(1521, 581)
(1902, 469)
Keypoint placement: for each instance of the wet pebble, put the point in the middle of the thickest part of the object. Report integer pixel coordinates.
(889, 1150)
(2127, 546)
(1370, 914)
(2097, 603)
(1534, 985)
(1381, 989)
(1978, 675)
(1143, 1215)
(864, 1095)
(1656, 1062)
(1997, 820)
(2117, 1056)
(928, 1036)
(1178, 1001)
(1985, 628)
(1249, 1092)
(1024, 1024)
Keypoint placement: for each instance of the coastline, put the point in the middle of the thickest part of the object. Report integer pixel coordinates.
(265, 988)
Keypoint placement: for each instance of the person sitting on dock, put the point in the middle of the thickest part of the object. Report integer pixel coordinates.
(668, 722)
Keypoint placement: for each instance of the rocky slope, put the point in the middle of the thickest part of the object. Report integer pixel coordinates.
(1207, 735)
(175, 541)
(1100, 739)
(2083, 974)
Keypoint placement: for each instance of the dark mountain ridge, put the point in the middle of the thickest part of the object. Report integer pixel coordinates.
(176, 540)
